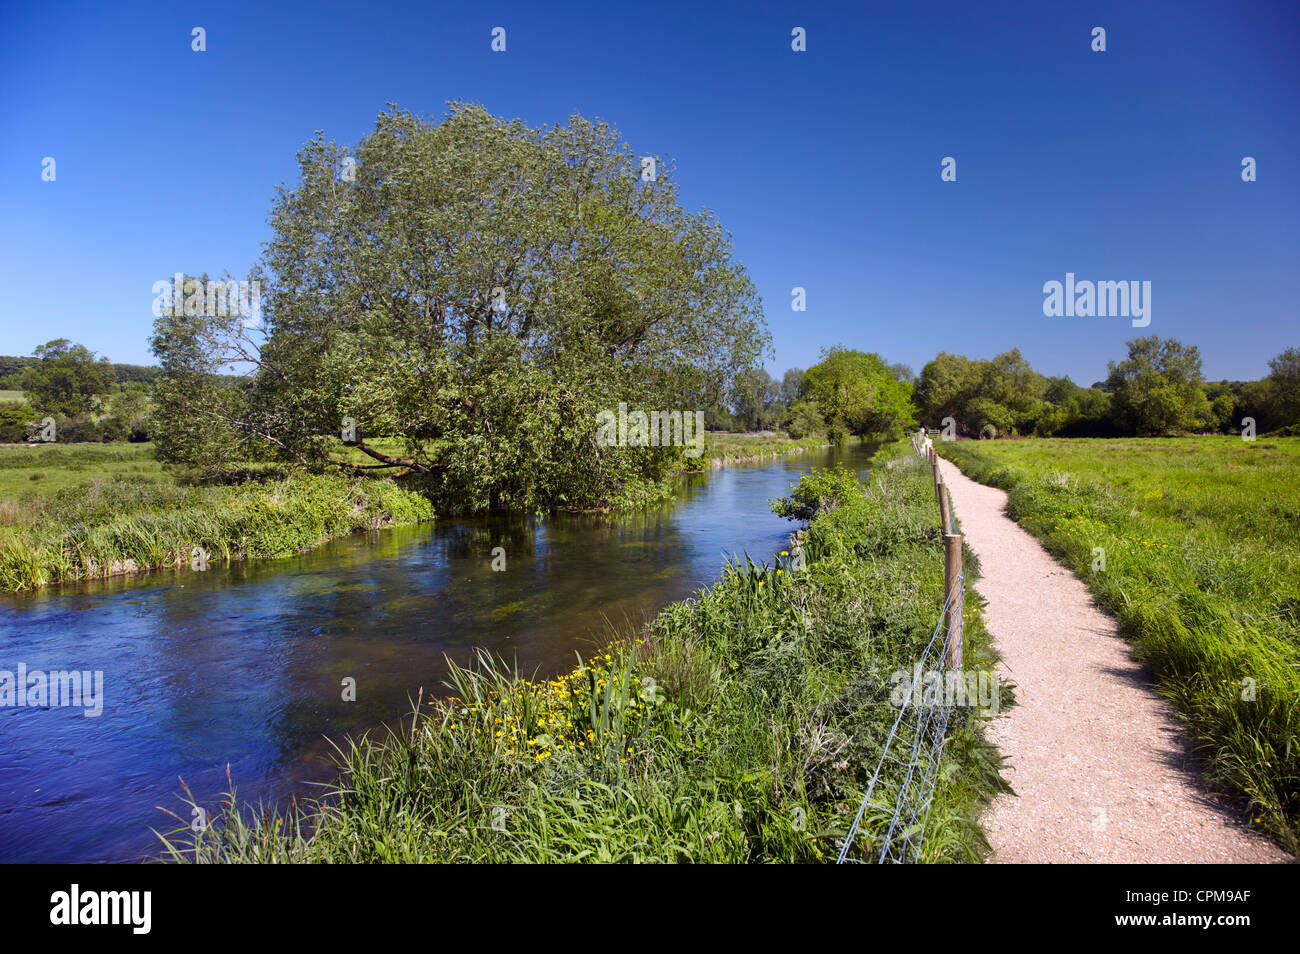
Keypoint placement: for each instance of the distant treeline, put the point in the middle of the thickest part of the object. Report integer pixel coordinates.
(1158, 389)
(12, 367)
(87, 397)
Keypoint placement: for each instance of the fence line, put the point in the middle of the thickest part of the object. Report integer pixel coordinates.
(920, 731)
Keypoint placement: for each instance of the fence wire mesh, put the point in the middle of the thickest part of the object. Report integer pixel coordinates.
(898, 798)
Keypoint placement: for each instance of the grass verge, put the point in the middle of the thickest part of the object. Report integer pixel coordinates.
(740, 726)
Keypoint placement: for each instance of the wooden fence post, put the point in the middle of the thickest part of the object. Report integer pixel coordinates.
(945, 507)
(952, 597)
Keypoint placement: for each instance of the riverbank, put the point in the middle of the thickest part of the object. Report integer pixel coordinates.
(130, 517)
(739, 726)
(1190, 544)
(724, 449)
(73, 512)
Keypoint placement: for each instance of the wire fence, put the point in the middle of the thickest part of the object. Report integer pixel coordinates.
(902, 787)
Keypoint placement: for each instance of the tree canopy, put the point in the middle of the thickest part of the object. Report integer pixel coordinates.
(477, 291)
(66, 378)
(1158, 389)
(1004, 395)
(857, 393)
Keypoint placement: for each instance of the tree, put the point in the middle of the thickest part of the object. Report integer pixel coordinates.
(792, 386)
(14, 418)
(857, 393)
(1088, 414)
(129, 410)
(1060, 390)
(756, 399)
(1221, 409)
(945, 387)
(804, 419)
(202, 419)
(985, 416)
(1282, 388)
(903, 372)
(477, 291)
(1159, 388)
(1010, 382)
(66, 378)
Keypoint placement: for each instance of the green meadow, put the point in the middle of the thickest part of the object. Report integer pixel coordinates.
(1192, 543)
(31, 474)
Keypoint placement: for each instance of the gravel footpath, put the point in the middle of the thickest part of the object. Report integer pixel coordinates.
(1101, 769)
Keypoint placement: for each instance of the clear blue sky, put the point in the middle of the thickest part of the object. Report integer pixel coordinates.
(1123, 165)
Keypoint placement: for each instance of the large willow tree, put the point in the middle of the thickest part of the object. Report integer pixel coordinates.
(479, 291)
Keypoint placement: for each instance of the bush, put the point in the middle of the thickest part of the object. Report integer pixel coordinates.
(804, 419)
(818, 492)
(14, 416)
(78, 430)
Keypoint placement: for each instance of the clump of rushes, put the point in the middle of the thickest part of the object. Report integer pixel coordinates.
(740, 726)
(1202, 570)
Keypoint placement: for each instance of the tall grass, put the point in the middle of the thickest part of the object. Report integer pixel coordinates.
(739, 726)
(1202, 570)
(126, 523)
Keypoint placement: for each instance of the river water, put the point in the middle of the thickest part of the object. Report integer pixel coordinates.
(244, 665)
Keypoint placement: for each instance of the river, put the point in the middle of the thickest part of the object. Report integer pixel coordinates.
(244, 665)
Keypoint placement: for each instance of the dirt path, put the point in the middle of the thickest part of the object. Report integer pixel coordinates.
(1099, 765)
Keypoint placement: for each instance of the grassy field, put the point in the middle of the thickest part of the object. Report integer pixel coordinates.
(13, 395)
(1201, 545)
(739, 726)
(40, 470)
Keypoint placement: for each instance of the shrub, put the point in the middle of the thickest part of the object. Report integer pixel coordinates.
(818, 491)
